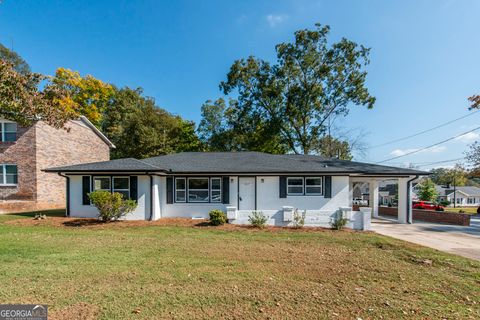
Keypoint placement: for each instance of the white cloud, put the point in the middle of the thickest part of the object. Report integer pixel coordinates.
(468, 137)
(275, 19)
(401, 152)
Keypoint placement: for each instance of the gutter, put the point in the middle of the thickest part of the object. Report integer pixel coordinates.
(409, 208)
(67, 196)
(151, 198)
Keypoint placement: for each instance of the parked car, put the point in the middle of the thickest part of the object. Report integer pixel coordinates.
(427, 205)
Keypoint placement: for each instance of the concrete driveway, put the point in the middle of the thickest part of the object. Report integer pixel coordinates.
(463, 241)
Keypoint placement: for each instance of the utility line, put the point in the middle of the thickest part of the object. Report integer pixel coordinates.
(424, 164)
(424, 131)
(428, 147)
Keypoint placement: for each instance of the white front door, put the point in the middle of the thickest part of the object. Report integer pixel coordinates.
(246, 193)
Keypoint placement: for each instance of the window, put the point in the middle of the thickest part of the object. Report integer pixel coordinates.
(470, 200)
(459, 200)
(101, 183)
(9, 131)
(8, 174)
(198, 189)
(295, 186)
(122, 185)
(180, 190)
(216, 189)
(313, 186)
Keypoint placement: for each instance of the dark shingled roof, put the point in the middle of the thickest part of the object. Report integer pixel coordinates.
(127, 164)
(238, 162)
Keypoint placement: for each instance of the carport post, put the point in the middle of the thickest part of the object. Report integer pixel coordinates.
(373, 197)
(404, 200)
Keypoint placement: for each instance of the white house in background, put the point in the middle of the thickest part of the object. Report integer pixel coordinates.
(467, 196)
(191, 184)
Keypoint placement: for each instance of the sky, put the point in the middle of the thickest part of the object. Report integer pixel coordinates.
(425, 56)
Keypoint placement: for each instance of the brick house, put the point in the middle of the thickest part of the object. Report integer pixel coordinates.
(26, 151)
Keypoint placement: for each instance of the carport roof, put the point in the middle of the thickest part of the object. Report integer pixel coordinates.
(238, 163)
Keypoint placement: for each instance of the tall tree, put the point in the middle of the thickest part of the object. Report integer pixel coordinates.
(22, 100)
(331, 147)
(427, 191)
(293, 98)
(15, 59)
(89, 96)
(446, 176)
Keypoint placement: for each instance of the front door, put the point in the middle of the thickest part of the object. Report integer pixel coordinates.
(246, 193)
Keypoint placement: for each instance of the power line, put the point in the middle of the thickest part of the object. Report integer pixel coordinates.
(424, 164)
(428, 147)
(424, 131)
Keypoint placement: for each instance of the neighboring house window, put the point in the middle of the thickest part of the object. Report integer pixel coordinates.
(459, 200)
(9, 131)
(198, 189)
(313, 186)
(8, 174)
(216, 189)
(295, 186)
(470, 200)
(180, 190)
(122, 185)
(101, 183)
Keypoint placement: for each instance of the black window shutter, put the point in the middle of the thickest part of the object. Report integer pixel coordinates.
(226, 189)
(85, 190)
(169, 190)
(328, 187)
(134, 188)
(283, 187)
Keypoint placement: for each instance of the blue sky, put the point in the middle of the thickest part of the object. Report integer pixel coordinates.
(425, 58)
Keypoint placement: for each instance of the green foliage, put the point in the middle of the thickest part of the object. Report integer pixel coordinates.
(26, 97)
(426, 190)
(298, 219)
(445, 203)
(111, 206)
(447, 176)
(287, 105)
(140, 129)
(217, 217)
(331, 147)
(17, 62)
(338, 221)
(257, 219)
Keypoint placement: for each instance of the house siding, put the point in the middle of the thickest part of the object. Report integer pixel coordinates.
(58, 147)
(41, 146)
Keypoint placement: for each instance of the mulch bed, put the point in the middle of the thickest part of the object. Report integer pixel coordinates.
(90, 223)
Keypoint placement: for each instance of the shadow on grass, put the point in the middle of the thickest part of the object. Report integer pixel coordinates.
(48, 213)
(87, 222)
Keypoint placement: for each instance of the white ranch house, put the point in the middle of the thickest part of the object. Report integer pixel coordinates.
(191, 184)
(467, 196)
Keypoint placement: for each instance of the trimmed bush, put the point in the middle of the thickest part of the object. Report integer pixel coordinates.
(258, 219)
(111, 206)
(217, 217)
(338, 221)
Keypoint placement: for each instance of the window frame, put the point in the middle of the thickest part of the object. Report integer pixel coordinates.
(296, 193)
(3, 131)
(187, 198)
(315, 186)
(96, 177)
(217, 190)
(112, 185)
(304, 192)
(4, 175)
(184, 189)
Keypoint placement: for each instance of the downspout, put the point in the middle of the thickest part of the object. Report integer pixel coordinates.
(151, 198)
(67, 198)
(409, 208)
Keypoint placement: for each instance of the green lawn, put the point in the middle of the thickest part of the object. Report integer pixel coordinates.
(152, 271)
(469, 210)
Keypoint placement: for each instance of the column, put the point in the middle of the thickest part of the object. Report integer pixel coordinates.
(404, 201)
(373, 197)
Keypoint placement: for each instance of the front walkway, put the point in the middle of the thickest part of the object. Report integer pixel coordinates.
(460, 240)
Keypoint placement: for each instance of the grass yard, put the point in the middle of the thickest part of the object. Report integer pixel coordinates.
(142, 270)
(469, 210)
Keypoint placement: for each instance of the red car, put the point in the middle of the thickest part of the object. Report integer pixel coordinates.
(425, 205)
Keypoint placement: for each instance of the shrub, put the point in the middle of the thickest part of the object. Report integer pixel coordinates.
(257, 219)
(217, 217)
(298, 219)
(445, 203)
(338, 221)
(111, 206)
